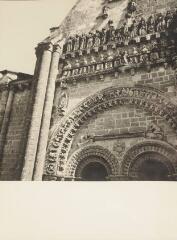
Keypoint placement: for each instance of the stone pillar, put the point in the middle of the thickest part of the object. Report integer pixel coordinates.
(6, 119)
(45, 125)
(44, 52)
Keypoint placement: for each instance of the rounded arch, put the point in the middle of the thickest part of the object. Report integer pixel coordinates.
(81, 158)
(148, 98)
(153, 149)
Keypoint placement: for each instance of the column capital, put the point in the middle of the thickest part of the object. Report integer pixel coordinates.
(57, 48)
(4, 86)
(41, 47)
(5, 82)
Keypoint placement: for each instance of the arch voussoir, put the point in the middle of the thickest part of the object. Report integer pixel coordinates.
(153, 146)
(83, 154)
(147, 98)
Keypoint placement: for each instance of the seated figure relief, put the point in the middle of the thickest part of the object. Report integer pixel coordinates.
(137, 27)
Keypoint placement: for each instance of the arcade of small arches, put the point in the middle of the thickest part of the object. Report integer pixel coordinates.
(150, 160)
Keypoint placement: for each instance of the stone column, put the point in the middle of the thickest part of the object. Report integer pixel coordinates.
(6, 119)
(44, 52)
(45, 125)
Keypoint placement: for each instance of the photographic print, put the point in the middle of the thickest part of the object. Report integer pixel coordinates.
(101, 103)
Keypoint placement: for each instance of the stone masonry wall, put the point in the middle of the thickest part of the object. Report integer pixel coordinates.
(121, 120)
(160, 78)
(126, 118)
(3, 99)
(11, 163)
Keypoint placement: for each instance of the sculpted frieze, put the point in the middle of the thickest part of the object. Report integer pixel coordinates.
(133, 28)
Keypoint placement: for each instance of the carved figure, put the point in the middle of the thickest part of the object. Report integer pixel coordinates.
(144, 54)
(168, 18)
(151, 25)
(135, 53)
(154, 56)
(154, 132)
(125, 57)
(85, 63)
(112, 34)
(142, 27)
(76, 69)
(133, 30)
(118, 62)
(119, 148)
(103, 36)
(132, 6)
(62, 103)
(118, 36)
(83, 42)
(92, 64)
(76, 43)
(97, 41)
(67, 69)
(90, 40)
(109, 64)
(69, 46)
(100, 66)
(85, 139)
(105, 11)
(126, 31)
(160, 23)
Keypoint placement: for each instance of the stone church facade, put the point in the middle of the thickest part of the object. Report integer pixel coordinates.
(102, 104)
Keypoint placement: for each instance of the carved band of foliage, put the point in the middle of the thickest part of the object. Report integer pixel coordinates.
(168, 155)
(81, 158)
(150, 99)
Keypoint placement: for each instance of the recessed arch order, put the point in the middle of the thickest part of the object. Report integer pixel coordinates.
(167, 155)
(150, 99)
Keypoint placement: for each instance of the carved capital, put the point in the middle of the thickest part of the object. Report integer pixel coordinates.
(4, 86)
(21, 85)
(57, 48)
(43, 47)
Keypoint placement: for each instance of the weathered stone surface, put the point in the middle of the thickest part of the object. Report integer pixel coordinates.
(114, 97)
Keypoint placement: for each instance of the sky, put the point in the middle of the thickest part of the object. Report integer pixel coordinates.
(23, 25)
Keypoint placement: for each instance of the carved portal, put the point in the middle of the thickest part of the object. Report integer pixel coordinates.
(150, 99)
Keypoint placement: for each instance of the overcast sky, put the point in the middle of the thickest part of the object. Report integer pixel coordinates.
(23, 24)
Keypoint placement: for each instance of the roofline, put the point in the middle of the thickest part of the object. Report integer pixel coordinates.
(19, 74)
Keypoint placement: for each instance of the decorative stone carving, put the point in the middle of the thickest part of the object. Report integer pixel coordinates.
(154, 132)
(62, 102)
(133, 29)
(80, 157)
(131, 7)
(157, 52)
(84, 140)
(153, 146)
(105, 12)
(147, 98)
(119, 148)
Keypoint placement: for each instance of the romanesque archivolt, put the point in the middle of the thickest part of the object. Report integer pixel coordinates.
(148, 98)
(81, 158)
(154, 149)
